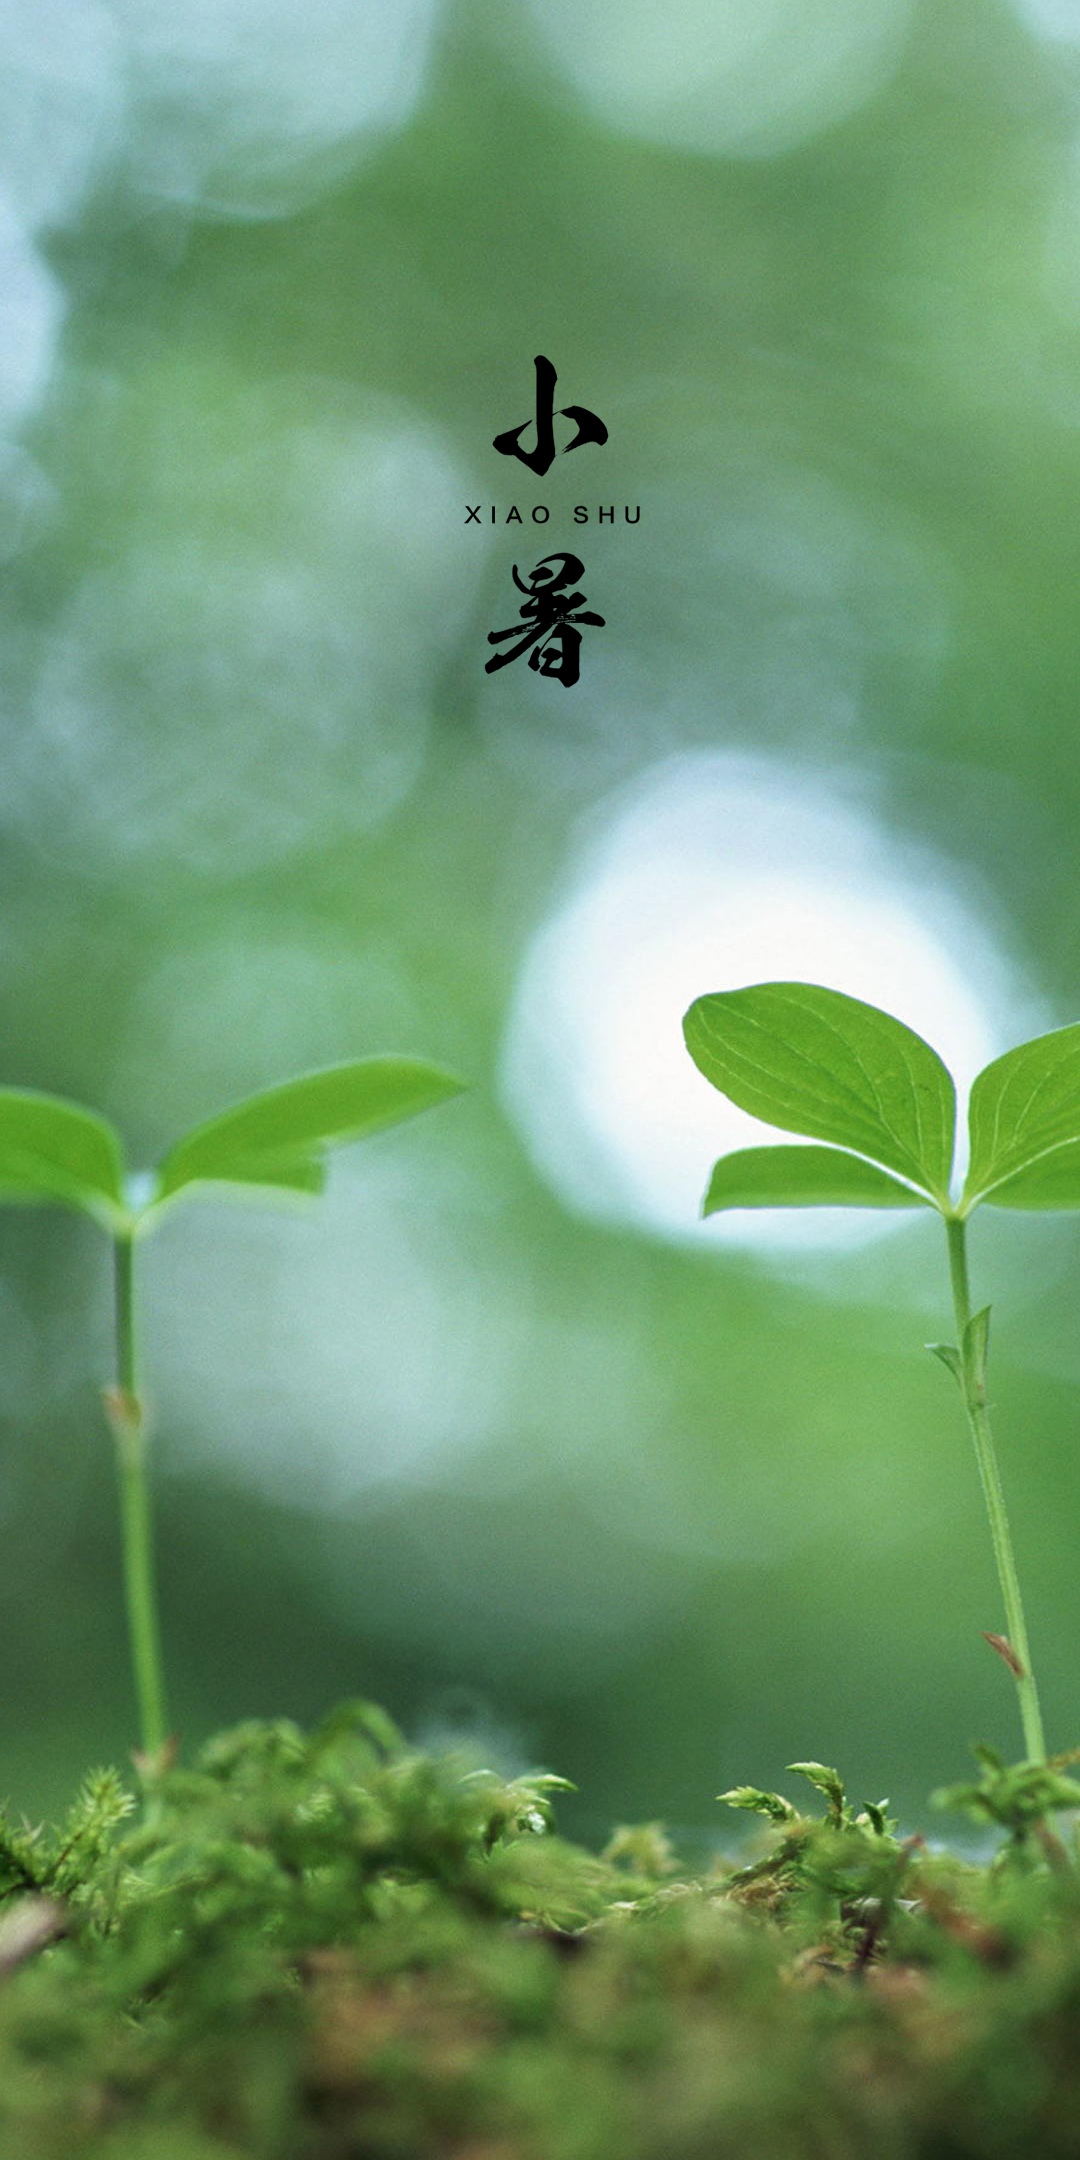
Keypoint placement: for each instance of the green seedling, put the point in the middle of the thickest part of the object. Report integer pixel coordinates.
(1017, 1799)
(275, 1142)
(850, 1857)
(814, 1062)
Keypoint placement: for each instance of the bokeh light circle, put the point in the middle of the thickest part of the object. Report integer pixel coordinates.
(714, 871)
(251, 108)
(744, 78)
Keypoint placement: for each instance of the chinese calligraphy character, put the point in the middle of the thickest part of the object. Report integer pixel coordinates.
(551, 611)
(589, 427)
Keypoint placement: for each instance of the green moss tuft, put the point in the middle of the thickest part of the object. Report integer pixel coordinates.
(329, 1946)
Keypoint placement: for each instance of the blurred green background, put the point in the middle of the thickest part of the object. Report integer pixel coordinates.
(498, 1434)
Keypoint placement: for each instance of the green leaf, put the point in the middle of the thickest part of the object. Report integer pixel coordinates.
(877, 1812)
(1051, 1181)
(1025, 1126)
(803, 1177)
(759, 1803)
(813, 1061)
(950, 1357)
(827, 1781)
(279, 1138)
(54, 1150)
(1014, 1797)
(977, 1341)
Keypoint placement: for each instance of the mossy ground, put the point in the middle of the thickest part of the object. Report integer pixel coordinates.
(331, 1947)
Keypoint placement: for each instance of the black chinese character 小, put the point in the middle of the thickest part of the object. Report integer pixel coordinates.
(589, 427)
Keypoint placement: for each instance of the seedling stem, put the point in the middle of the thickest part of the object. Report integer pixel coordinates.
(127, 1417)
(973, 1388)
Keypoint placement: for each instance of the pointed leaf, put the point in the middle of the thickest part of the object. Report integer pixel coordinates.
(878, 1812)
(759, 1803)
(54, 1150)
(950, 1357)
(816, 1062)
(977, 1341)
(826, 1780)
(803, 1177)
(279, 1137)
(1023, 1107)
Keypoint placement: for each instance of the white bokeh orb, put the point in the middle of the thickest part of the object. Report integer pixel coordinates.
(735, 78)
(712, 872)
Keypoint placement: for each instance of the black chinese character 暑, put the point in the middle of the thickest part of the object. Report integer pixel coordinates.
(551, 612)
(589, 427)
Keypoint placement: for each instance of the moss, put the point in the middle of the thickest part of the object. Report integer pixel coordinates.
(331, 1947)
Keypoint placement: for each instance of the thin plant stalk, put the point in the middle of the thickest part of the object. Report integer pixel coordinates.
(127, 1417)
(973, 1388)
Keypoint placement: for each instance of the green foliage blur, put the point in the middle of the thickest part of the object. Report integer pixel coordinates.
(540, 1474)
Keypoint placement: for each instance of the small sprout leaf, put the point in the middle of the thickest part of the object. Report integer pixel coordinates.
(770, 1177)
(813, 1061)
(53, 1150)
(877, 1812)
(976, 1350)
(760, 1803)
(1025, 1126)
(950, 1356)
(1005, 1650)
(279, 1138)
(1015, 1797)
(827, 1781)
(977, 1339)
